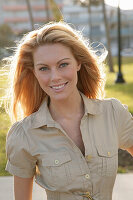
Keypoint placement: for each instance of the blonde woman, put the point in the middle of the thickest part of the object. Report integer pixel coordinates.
(69, 135)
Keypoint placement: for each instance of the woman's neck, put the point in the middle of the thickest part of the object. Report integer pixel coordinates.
(68, 108)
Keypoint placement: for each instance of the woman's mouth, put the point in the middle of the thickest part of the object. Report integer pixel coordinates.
(59, 87)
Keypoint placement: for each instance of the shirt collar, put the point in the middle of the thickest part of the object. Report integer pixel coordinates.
(91, 106)
(43, 117)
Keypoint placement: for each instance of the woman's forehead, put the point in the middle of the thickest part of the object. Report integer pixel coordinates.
(51, 52)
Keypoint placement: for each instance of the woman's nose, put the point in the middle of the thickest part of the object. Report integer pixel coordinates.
(55, 75)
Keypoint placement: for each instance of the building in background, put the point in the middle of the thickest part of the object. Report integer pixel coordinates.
(15, 14)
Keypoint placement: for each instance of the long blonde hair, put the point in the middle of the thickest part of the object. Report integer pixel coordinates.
(26, 92)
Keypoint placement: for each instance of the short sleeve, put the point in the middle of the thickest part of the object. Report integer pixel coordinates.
(124, 124)
(20, 162)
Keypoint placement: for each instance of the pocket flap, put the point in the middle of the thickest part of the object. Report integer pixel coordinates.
(56, 158)
(107, 153)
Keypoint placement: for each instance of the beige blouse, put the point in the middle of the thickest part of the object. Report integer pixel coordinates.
(38, 146)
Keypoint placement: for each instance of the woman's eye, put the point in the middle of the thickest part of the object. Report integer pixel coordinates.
(43, 69)
(63, 64)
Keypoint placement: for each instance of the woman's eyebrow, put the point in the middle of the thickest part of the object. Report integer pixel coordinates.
(62, 60)
(57, 62)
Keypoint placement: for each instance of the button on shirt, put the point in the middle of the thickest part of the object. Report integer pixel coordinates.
(38, 146)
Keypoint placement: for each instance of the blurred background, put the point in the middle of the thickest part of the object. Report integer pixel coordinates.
(104, 23)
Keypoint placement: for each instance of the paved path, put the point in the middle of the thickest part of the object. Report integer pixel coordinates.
(123, 189)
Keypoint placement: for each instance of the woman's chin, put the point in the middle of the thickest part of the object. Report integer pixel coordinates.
(59, 97)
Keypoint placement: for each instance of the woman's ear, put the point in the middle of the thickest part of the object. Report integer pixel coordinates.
(33, 70)
(78, 66)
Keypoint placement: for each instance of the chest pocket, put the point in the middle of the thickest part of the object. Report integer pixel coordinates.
(106, 143)
(107, 161)
(56, 169)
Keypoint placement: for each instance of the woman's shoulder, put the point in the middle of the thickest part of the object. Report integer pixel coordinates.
(16, 136)
(110, 105)
(24, 126)
(113, 106)
(97, 106)
(14, 129)
(107, 102)
(19, 135)
(19, 128)
(114, 103)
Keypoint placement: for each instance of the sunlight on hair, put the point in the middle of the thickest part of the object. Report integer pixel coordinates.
(100, 51)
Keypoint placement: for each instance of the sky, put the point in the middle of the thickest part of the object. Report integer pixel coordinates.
(124, 4)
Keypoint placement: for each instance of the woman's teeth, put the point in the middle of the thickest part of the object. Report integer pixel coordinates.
(58, 87)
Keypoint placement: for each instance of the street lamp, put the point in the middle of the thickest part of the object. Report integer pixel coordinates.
(119, 78)
(124, 5)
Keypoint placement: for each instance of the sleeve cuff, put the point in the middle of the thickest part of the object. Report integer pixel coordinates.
(20, 172)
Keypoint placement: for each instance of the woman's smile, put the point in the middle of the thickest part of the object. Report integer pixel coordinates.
(59, 87)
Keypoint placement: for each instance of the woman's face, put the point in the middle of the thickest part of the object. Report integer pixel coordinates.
(56, 70)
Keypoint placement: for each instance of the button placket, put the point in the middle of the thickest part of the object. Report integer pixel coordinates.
(109, 154)
(56, 162)
(88, 158)
(87, 176)
(87, 195)
(83, 163)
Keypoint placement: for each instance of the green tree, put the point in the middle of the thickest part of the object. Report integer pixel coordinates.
(6, 36)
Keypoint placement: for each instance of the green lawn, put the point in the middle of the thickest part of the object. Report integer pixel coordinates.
(124, 92)
(4, 124)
